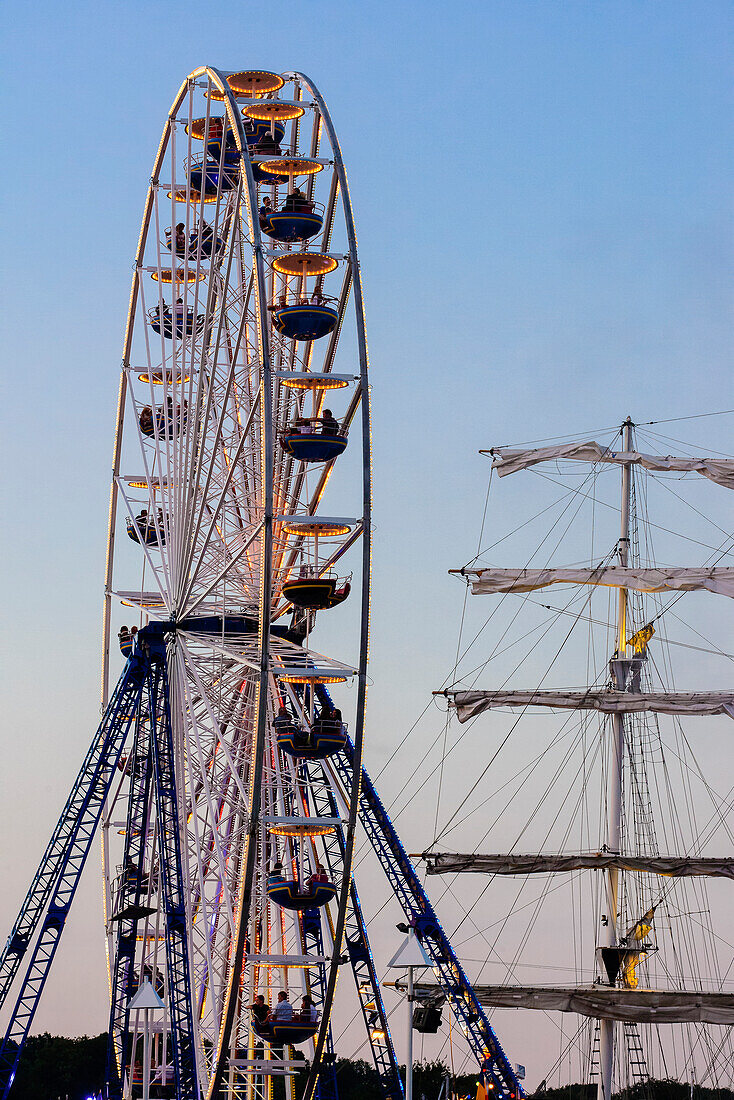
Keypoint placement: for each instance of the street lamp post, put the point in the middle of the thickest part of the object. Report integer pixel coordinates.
(410, 955)
(147, 999)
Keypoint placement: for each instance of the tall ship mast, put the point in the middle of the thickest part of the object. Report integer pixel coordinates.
(633, 832)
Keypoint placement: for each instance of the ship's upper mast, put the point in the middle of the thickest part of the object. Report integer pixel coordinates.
(615, 777)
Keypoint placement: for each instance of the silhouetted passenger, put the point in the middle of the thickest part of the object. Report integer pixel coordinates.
(329, 424)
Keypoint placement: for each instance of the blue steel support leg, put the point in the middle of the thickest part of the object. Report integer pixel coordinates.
(173, 890)
(53, 888)
(419, 912)
(128, 907)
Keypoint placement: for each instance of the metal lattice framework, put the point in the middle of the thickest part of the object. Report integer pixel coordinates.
(222, 516)
(221, 823)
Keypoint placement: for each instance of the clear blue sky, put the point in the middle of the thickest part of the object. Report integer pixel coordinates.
(543, 202)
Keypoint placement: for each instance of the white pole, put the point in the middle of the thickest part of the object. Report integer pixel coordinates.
(614, 782)
(409, 1053)
(146, 1056)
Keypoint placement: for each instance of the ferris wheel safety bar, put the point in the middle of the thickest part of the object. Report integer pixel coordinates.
(417, 908)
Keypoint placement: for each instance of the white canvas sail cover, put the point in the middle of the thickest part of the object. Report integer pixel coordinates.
(470, 703)
(610, 1003)
(443, 863)
(718, 579)
(509, 461)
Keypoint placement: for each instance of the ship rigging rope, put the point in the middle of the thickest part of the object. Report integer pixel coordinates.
(537, 902)
(694, 946)
(476, 672)
(557, 612)
(458, 651)
(613, 427)
(611, 552)
(691, 448)
(573, 1041)
(669, 641)
(437, 838)
(496, 652)
(666, 891)
(615, 508)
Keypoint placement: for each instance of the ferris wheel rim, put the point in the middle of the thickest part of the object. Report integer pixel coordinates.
(362, 397)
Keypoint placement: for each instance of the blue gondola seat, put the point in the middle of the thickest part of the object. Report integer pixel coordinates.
(288, 893)
(282, 1032)
(185, 324)
(261, 176)
(295, 221)
(317, 593)
(214, 144)
(324, 739)
(231, 152)
(305, 321)
(209, 243)
(261, 130)
(209, 176)
(168, 420)
(189, 246)
(313, 446)
(143, 530)
(264, 142)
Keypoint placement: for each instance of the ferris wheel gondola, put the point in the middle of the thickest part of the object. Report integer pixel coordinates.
(223, 355)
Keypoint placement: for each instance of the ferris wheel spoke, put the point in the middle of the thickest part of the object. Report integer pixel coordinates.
(232, 558)
(232, 469)
(221, 467)
(215, 834)
(218, 739)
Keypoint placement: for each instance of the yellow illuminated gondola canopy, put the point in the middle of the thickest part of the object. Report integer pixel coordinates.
(198, 127)
(140, 483)
(180, 195)
(252, 82)
(291, 166)
(312, 678)
(317, 528)
(314, 382)
(287, 962)
(180, 276)
(272, 110)
(156, 377)
(300, 828)
(140, 599)
(304, 263)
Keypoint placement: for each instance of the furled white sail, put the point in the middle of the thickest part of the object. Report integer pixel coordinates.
(715, 579)
(470, 703)
(509, 461)
(444, 863)
(612, 1003)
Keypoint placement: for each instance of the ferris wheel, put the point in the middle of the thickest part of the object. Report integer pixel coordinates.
(226, 773)
(244, 381)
